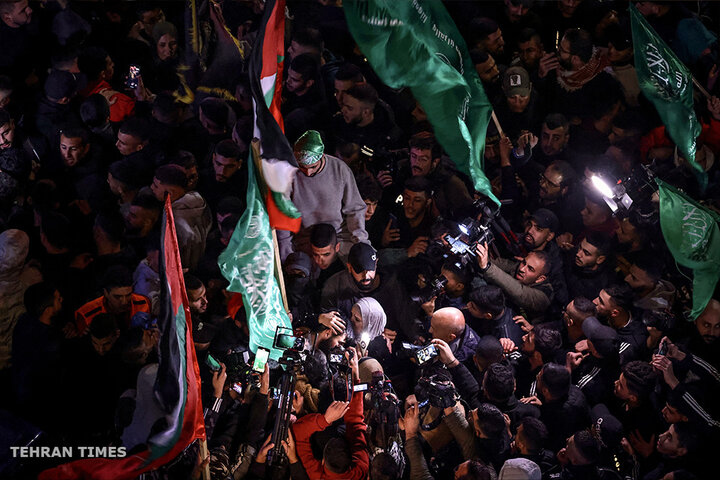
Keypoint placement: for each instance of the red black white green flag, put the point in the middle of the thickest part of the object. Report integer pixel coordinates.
(266, 73)
(176, 391)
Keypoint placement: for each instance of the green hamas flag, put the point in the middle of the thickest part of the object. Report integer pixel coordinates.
(692, 235)
(248, 264)
(667, 83)
(416, 44)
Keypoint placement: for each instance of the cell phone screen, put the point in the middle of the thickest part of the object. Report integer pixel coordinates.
(238, 388)
(426, 353)
(362, 387)
(261, 358)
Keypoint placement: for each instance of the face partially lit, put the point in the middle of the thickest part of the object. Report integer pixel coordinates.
(325, 256)
(530, 53)
(224, 167)
(167, 47)
(530, 270)
(518, 103)
(342, 86)
(553, 141)
(587, 255)
(356, 321)
(488, 71)
(364, 279)
(370, 209)
(198, 300)
(414, 204)
(7, 134)
(72, 150)
(421, 161)
(118, 299)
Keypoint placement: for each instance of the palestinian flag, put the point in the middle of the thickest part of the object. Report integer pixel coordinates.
(266, 73)
(176, 388)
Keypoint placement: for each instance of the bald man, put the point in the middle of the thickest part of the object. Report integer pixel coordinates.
(705, 341)
(448, 325)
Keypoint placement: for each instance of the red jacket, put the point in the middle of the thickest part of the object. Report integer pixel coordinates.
(354, 433)
(710, 136)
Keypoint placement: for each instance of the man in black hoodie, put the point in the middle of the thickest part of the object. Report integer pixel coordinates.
(614, 304)
(591, 268)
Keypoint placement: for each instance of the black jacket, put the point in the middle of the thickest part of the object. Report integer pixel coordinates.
(564, 417)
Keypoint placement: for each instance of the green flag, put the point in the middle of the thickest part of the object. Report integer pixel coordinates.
(416, 44)
(667, 83)
(248, 264)
(692, 235)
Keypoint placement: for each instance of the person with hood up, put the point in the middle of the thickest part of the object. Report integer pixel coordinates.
(367, 322)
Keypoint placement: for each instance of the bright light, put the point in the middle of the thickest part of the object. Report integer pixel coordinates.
(602, 186)
(365, 338)
(463, 228)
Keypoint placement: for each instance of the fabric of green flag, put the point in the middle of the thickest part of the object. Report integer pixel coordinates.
(667, 83)
(691, 233)
(416, 44)
(248, 264)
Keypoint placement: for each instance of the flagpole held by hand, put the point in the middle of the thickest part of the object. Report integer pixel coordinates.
(203, 453)
(700, 87)
(497, 124)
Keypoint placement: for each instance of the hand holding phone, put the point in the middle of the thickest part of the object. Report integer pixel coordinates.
(261, 358)
(133, 75)
(212, 363)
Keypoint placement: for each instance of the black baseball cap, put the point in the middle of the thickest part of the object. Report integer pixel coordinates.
(362, 258)
(546, 219)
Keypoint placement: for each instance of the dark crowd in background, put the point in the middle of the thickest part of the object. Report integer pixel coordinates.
(568, 354)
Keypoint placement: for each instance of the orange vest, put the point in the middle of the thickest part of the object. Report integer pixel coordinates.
(85, 314)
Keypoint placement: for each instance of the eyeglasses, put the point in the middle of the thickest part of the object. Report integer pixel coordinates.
(543, 179)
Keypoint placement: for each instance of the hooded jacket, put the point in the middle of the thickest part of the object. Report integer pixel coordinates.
(193, 221)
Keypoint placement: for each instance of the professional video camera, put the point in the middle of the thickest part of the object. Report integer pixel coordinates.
(291, 360)
(635, 190)
(486, 225)
(341, 384)
(435, 391)
(385, 410)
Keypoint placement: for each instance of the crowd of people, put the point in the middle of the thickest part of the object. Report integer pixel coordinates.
(567, 353)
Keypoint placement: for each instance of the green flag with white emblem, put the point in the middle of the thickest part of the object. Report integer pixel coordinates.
(416, 44)
(667, 83)
(691, 233)
(248, 264)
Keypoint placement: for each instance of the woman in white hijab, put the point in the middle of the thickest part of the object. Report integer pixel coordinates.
(367, 321)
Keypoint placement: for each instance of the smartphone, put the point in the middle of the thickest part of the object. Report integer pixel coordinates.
(284, 338)
(132, 77)
(261, 358)
(425, 354)
(212, 363)
(662, 349)
(362, 387)
(238, 388)
(393, 222)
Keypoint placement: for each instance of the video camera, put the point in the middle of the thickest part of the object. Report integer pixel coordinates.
(435, 391)
(385, 409)
(486, 225)
(382, 160)
(634, 191)
(293, 347)
(430, 289)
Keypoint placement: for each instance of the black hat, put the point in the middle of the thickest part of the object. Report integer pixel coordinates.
(606, 427)
(362, 258)
(60, 84)
(603, 338)
(546, 219)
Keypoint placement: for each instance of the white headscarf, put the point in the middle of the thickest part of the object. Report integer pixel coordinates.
(373, 317)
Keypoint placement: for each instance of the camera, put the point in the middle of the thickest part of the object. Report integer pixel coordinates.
(337, 359)
(435, 391)
(293, 347)
(381, 160)
(385, 409)
(430, 289)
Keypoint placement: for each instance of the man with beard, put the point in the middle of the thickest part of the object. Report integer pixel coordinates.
(487, 37)
(362, 279)
(324, 191)
(580, 75)
(530, 51)
(304, 105)
(325, 248)
(614, 304)
(651, 291)
(540, 231)
(556, 192)
(703, 341)
(141, 218)
(489, 74)
(591, 269)
(524, 283)
(226, 177)
(359, 123)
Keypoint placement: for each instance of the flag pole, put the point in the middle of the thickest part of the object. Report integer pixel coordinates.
(497, 124)
(700, 87)
(255, 149)
(203, 455)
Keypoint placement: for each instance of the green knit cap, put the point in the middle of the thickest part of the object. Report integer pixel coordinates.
(309, 148)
